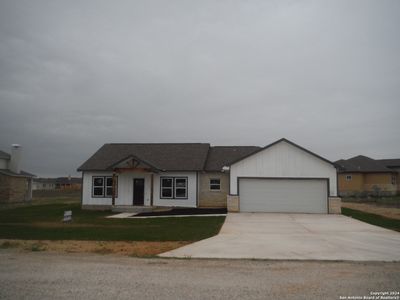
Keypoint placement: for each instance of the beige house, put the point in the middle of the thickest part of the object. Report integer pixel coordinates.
(15, 184)
(363, 176)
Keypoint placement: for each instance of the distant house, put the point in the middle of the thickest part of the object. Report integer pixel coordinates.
(15, 184)
(44, 184)
(362, 176)
(60, 183)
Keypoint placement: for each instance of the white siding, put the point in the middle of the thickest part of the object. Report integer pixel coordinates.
(3, 163)
(191, 201)
(125, 189)
(283, 160)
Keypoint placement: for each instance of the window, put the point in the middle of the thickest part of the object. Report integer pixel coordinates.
(98, 186)
(181, 188)
(348, 177)
(173, 188)
(394, 179)
(102, 186)
(167, 187)
(215, 184)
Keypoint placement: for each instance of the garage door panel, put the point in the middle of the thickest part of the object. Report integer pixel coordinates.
(283, 195)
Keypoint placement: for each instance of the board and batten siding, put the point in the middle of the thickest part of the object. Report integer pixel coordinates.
(283, 160)
(191, 200)
(125, 189)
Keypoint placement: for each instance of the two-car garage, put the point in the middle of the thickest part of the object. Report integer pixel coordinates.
(283, 178)
(283, 195)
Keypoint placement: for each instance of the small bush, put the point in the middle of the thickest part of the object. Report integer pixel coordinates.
(37, 247)
(8, 244)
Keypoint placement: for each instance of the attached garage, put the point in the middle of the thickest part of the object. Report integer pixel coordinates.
(283, 195)
(282, 178)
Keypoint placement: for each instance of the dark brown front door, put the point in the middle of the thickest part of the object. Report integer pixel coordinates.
(138, 191)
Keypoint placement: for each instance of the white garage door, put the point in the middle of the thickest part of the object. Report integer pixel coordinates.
(283, 195)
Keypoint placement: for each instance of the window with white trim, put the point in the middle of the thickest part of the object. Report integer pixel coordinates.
(349, 177)
(102, 186)
(394, 181)
(167, 187)
(180, 188)
(98, 187)
(173, 188)
(215, 184)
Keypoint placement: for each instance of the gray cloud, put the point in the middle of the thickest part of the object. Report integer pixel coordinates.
(75, 75)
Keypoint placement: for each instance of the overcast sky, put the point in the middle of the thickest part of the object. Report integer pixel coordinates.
(77, 74)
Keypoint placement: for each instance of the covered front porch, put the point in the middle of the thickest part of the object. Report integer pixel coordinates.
(132, 185)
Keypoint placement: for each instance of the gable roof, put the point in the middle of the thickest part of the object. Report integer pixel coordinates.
(220, 156)
(289, 142)
(4, 155)
(8, 172)
(163, 156)
(390, 163)
(362, 164)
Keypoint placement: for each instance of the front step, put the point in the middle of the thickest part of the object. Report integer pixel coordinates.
(137, 209)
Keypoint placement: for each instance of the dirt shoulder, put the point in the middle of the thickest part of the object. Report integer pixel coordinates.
(389, 212)
(138, 249)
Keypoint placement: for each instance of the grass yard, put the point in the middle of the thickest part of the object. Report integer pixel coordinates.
(390, 201)
(372, 218)
(41, 221)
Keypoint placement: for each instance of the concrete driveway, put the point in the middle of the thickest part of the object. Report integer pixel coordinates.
(296, 237)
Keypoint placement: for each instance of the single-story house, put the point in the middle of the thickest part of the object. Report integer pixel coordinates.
(15, 184)
(59, 183)
(363, 176)
(281, 177)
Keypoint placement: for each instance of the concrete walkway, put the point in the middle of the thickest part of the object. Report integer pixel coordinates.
(296, 237)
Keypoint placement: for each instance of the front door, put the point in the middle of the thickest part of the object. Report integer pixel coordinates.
(138, 191)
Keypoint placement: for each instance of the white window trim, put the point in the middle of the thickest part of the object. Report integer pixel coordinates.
(349, 177)
(167, 187)
(214, 184)
(181, 188)
(97, 187)
(104, 187)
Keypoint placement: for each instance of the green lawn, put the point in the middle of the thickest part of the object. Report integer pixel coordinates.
(392, 201)
(372, 218)
(43, 222)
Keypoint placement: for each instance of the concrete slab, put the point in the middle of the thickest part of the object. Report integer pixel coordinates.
(122, 215)
(296, 237)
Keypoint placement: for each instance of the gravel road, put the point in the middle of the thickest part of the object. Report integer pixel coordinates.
(44, 275)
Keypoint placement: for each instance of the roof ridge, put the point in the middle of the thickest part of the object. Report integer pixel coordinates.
(157, 144)
(232, 146)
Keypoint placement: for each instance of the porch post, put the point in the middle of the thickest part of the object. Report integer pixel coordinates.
(113, 189)
(152, 188)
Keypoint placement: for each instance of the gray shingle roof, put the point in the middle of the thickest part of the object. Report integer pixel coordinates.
(220, 156)
(11, 173)
(390, 163)
(4, 155)
(168, 157)
(361, 164)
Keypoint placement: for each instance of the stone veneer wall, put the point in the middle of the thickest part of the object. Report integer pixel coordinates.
(209, 198)
(335, 205)
(14, 189)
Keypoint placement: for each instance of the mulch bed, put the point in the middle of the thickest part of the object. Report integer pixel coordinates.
(184, 211)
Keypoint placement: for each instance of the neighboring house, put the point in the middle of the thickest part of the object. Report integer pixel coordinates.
(60, 183)
(281, 177)
(68, 183)
(44, 184)
(15, 184)
(363, 176)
